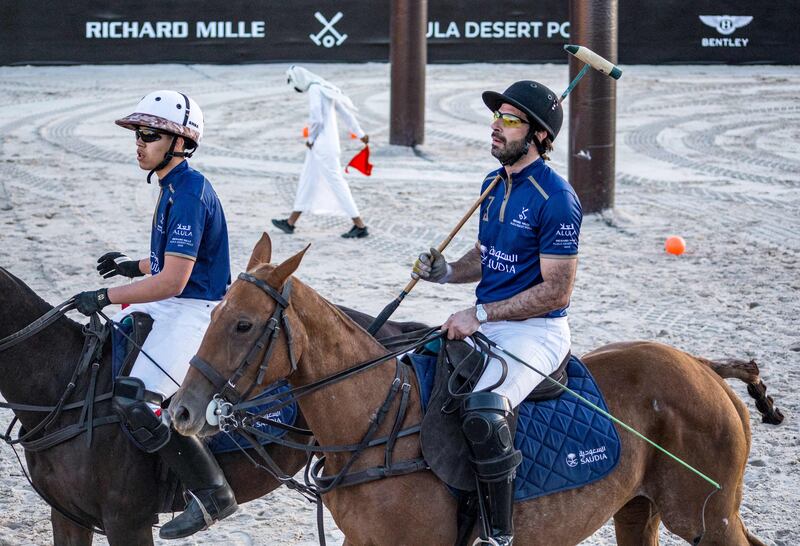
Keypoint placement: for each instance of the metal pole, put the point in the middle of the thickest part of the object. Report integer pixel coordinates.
(408, 55)
(593, 106)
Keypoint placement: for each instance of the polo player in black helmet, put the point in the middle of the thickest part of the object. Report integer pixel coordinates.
(525, 261)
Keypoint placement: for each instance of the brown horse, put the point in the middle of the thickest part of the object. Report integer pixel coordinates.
(673, 398)
(109, 484)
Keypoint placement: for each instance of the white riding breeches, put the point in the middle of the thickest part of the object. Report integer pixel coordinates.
(541, 342)
(178, 328)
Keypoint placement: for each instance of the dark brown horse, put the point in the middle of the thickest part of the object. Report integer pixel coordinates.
(110, 484)
(673, 398)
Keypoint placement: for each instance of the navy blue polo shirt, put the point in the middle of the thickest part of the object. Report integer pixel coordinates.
(532, 215)
(189, 223)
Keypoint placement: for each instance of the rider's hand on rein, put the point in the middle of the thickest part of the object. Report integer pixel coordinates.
(92, 301)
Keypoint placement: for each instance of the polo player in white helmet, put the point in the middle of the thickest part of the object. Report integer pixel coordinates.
(189, 272)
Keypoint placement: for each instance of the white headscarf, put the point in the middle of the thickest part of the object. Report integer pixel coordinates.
(301, 79)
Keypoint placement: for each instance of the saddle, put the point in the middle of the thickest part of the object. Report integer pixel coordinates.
(443, 444)
(124, 351)
(565, 443)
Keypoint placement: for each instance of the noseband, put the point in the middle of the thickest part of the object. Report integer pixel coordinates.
(266, 342)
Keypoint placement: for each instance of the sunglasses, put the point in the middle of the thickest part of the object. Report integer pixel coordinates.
(147, 135)
(509, 120)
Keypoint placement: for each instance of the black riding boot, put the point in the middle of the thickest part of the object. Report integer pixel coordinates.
(208, 494)
(484, 421)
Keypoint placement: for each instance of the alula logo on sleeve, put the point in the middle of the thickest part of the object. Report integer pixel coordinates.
(566, 230)
(183, 230)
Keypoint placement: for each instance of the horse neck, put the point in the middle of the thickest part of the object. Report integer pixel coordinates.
(338, 413)
(37, 370)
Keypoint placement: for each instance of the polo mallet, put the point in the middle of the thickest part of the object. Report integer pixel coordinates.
(389, 309)
(584, 54)
(591, 59)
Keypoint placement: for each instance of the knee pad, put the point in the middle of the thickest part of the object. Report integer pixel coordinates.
(484, 422)
(149, 431)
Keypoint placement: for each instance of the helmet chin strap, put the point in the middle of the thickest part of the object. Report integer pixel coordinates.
(168, 157)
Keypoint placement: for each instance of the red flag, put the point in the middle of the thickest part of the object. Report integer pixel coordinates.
(361, 162)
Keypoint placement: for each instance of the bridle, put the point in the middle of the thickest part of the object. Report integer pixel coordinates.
(227, 389)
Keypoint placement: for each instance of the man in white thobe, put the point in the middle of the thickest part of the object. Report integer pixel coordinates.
(323, 188)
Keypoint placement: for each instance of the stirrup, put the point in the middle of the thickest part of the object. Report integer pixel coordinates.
(493, 541)
(206, 516)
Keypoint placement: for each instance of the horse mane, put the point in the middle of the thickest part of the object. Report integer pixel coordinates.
(30, 297)
(267, 268)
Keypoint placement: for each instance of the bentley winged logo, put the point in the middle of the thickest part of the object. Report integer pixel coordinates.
(726, 24)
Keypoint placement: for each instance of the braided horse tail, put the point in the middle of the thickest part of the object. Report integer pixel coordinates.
(747, 371)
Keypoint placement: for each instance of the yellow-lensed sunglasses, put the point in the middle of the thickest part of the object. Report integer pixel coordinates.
(509, 120)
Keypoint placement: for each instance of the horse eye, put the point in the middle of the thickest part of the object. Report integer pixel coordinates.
(243, 326)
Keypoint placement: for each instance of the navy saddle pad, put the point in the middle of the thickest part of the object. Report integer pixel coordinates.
(219, 443)
(564, 443)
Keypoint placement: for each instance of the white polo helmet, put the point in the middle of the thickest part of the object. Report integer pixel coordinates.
(168, 111)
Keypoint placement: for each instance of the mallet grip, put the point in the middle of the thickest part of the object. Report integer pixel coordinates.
(389, 309)
(594, 60)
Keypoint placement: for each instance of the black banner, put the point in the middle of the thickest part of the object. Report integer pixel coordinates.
(244, 31)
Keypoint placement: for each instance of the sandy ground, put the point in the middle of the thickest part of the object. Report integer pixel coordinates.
(710, 153)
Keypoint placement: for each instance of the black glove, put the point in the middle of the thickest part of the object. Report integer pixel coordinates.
(92, 301)
(117, 263)
(431, 266)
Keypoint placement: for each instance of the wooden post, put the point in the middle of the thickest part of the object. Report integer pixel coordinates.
(593, 106)
(408, 55)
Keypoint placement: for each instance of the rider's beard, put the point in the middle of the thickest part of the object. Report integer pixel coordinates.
(508, 150)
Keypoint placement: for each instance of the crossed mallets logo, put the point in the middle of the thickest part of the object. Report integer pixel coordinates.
(328, 36)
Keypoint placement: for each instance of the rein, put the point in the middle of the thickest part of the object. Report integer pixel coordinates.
(38, 325)
(94, 339)
(229, 404)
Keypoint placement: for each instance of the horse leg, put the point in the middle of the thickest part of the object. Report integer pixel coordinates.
(736, 534)
(67, 533)
(636, 523)
(124, 532)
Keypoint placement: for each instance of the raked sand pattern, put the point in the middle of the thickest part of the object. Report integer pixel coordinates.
(708, 153)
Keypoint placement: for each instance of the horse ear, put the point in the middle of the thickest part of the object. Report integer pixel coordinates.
(279, 275)
(262, 252)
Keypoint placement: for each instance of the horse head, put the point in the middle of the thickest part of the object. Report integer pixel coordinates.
(247, 344)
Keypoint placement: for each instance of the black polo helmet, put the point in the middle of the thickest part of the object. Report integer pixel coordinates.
(537, 101)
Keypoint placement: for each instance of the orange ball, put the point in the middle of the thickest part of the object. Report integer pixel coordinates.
(675, 245)
(305, 132)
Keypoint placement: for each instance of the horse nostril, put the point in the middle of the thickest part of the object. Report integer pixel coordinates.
(182, 415)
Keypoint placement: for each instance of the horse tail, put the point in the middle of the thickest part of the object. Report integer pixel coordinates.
(747, 371)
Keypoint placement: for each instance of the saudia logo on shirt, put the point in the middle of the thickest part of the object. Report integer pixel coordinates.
(498, 260)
